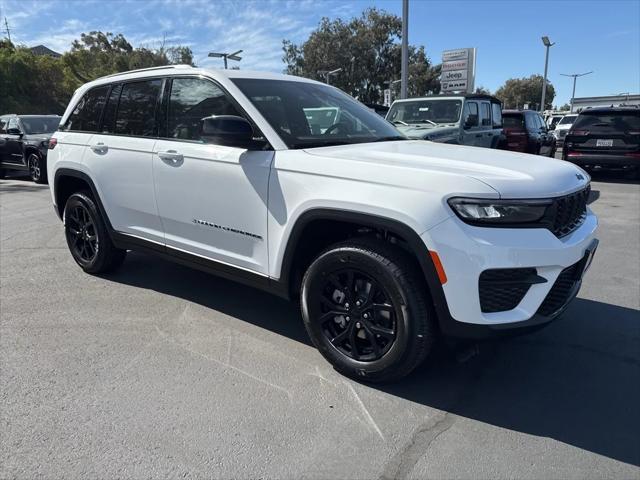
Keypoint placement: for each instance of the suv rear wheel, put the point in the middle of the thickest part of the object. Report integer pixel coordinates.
(87, 236)
(37, 169)
(365, 309)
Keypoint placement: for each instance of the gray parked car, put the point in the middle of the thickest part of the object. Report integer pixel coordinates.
(471, 119)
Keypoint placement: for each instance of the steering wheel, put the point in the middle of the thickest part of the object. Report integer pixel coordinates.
(331, 128)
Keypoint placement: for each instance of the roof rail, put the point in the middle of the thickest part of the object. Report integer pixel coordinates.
(163, 67)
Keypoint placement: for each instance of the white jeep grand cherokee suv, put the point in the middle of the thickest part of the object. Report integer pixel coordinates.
(388, 242)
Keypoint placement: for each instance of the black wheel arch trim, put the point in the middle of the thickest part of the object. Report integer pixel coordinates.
(70, 172)
(415, 243)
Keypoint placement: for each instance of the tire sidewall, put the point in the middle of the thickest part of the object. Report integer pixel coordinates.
(368, 264)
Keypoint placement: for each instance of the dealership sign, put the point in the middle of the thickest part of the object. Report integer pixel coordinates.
(458, 70)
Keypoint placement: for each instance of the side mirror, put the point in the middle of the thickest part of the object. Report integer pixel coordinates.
(14, 131)
(228, 130)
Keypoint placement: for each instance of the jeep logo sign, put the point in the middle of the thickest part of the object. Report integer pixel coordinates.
(458, 70)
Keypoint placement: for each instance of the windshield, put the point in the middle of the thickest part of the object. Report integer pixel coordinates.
(35, 125)
(568, 120)
(614, 121)
(426, 111)
(309, 115)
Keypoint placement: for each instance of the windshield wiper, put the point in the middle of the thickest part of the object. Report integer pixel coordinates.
(389, 139)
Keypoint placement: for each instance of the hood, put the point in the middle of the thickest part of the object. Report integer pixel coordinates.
(511, 174)
(420, 131)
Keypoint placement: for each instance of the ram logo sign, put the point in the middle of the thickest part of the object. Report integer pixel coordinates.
(458, 70)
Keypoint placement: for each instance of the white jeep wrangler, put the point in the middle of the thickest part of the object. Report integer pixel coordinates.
(292, 186)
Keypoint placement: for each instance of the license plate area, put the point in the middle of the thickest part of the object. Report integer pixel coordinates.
(603, 142)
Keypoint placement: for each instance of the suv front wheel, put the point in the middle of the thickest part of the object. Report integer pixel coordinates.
(87, 236)
(365, 308)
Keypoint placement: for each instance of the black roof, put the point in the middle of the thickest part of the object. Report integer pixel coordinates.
(611, 110)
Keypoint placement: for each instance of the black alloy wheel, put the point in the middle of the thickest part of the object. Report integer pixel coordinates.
(87, 235)
(81, 233)
(365, 307)
(357, 314)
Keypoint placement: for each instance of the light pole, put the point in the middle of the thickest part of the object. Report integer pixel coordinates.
(225, 56)
(327, 74)
(575, 76)
(547, 43)
(404, 72)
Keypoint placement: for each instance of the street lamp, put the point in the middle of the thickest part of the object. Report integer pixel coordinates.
(574, 75)
(230, 56)
(327, 74)
(547, 43)
(404, 67)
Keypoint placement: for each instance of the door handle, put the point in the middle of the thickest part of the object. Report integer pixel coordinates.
(99, 148)
(171, 157)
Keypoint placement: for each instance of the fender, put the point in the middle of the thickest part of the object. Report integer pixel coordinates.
(70, 172)
(416, 245)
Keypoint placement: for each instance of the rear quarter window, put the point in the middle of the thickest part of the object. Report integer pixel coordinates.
(86, 116)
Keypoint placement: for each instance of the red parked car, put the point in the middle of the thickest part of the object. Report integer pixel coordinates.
(526, 131)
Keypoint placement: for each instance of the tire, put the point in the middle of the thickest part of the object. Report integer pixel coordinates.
(87, 236)
(37, 168)
(400, 329)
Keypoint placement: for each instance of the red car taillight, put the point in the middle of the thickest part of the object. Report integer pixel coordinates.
(53, 141)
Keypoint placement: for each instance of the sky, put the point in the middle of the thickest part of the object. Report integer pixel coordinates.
(590, 35)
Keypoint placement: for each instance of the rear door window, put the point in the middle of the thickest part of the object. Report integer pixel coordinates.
(110, 109)
(136, 113)
(485, 116)
(530, 121)
(496, 111)
(86, 116)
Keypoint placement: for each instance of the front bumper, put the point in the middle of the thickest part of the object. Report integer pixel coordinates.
(466, 251)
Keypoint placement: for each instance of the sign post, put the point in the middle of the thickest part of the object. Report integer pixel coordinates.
(458, 70)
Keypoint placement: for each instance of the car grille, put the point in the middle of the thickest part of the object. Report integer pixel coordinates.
(504, 288)
(561, 292)
(568, 213)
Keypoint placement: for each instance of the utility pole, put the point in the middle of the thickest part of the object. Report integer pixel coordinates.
(547, 44)
(575, 76)
(6, 24)
(404, 74)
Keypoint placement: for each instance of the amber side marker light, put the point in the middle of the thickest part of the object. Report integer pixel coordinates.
(439, 268)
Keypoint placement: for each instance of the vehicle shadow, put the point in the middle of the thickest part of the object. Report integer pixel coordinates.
(20, 187)
(575, 381)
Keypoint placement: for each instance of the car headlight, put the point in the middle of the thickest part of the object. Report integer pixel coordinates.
(499, 212)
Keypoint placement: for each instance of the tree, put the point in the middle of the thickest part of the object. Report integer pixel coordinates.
(482, 90)
(41, 84)
(518, 91)
(565, 108)
(367, 49)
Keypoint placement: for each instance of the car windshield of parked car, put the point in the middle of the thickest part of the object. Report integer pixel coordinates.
(439, 111)
(512, 121)
(35, 125)
(309, 115)
(568, 120)
(614, 121)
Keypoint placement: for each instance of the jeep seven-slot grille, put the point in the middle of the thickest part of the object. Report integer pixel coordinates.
(568, 213)
(561, 292)
(502, 289)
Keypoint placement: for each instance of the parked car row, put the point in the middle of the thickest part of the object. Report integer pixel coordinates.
(23, 143)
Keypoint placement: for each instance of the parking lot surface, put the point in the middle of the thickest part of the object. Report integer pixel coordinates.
(157, 370)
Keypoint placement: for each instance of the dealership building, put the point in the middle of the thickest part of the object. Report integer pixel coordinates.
(580, 103)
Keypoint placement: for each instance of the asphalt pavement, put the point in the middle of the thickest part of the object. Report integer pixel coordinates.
(162, 371)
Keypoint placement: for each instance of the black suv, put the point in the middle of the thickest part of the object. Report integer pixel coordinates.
(23, 143)
(605, 138)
